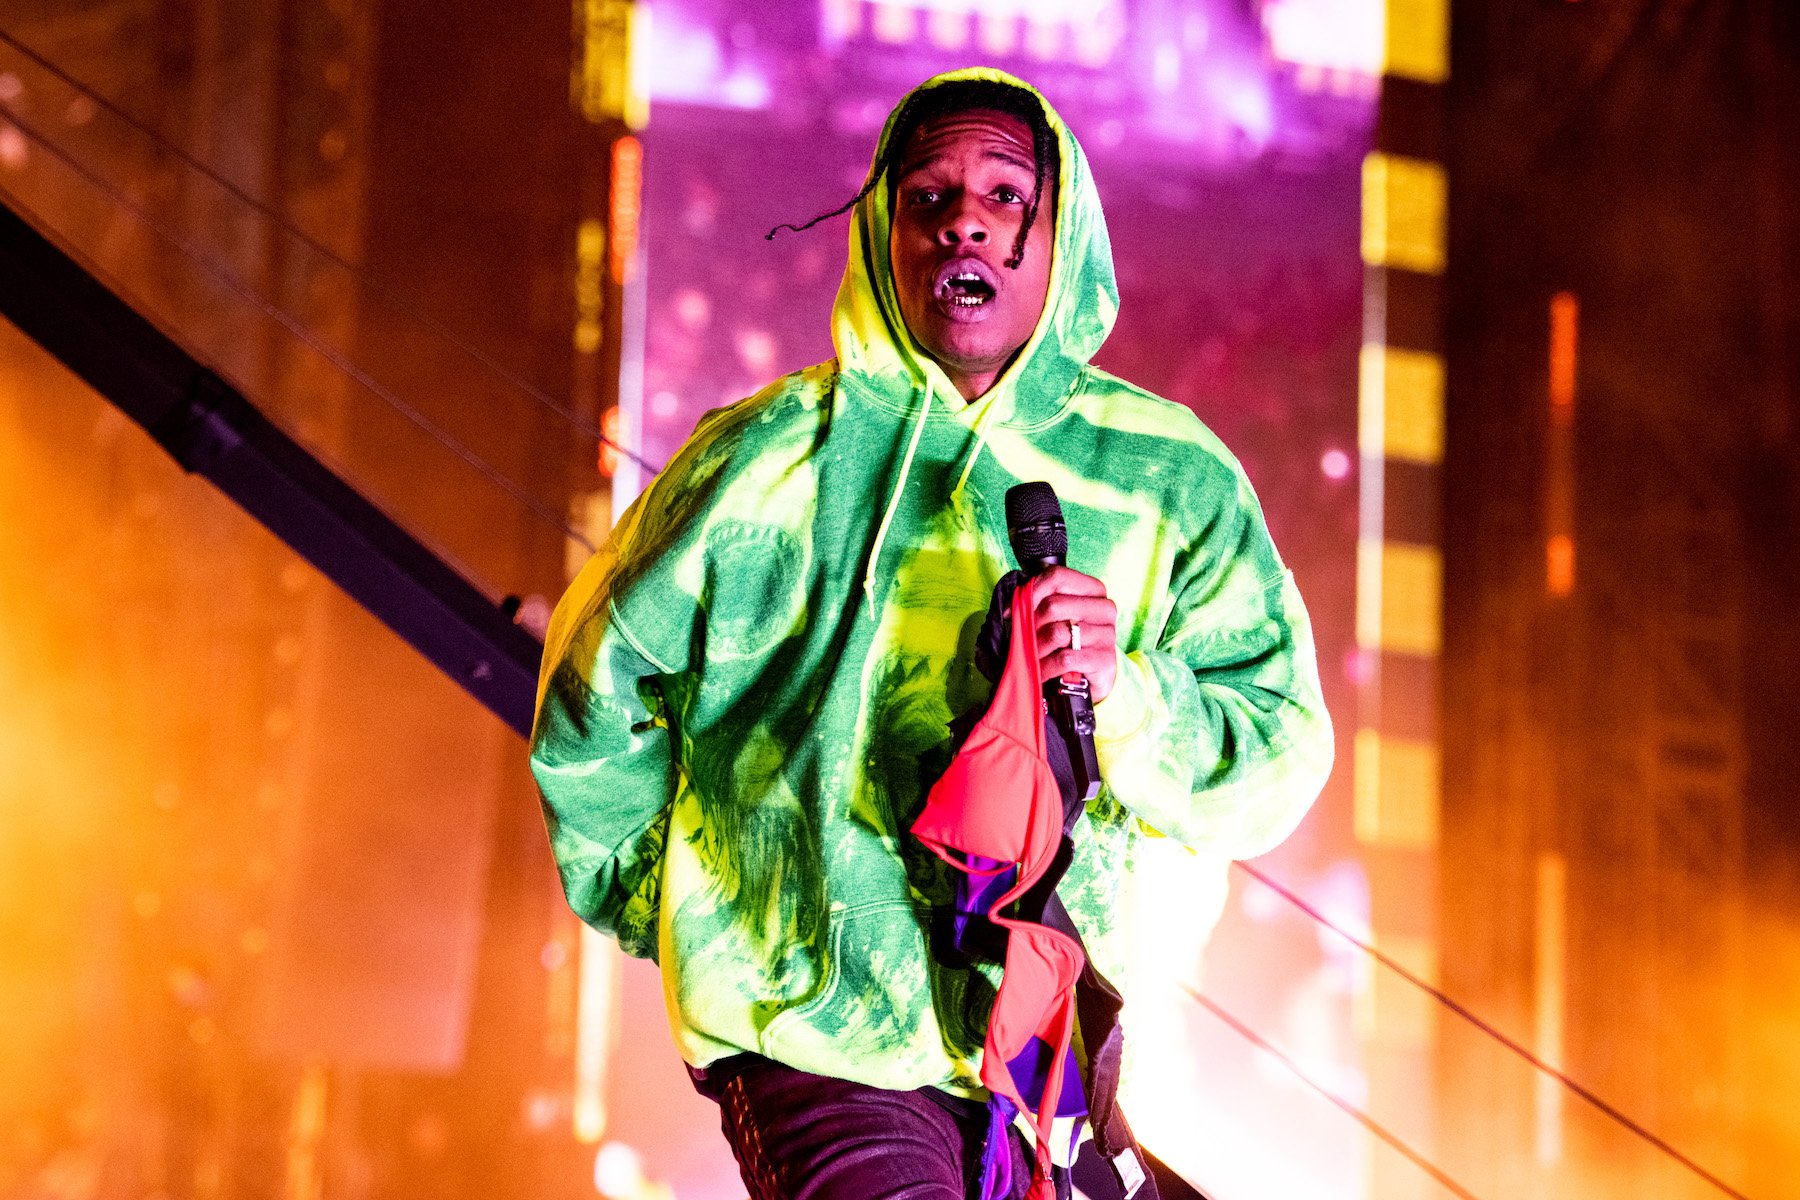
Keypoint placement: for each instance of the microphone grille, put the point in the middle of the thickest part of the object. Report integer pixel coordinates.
(1034, 523)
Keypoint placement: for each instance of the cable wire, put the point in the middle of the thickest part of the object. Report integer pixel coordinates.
(374, 286)
(1491, 1032)
(1363, 1118)
(300, 331)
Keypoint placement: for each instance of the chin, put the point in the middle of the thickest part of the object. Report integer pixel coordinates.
(969, 354)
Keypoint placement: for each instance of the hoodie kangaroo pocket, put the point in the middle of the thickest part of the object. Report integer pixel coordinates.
(874, 1006)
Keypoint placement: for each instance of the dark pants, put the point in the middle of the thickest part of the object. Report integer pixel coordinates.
(810, 1137)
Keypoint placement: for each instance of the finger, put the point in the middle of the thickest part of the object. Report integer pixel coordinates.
(1089, 661)
(1068, 580)
(1100, 668)
(1097, 634)
(1061, 606)
(1096, 615)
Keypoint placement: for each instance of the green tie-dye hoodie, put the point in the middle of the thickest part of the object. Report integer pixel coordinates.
(745, 694)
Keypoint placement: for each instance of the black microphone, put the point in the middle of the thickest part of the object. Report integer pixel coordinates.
(1040, 540)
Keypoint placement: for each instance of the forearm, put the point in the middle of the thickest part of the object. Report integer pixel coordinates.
(1221, 741)
(617, 890)
(601, 755)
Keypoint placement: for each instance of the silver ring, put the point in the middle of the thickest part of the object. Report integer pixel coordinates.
(1074, 635)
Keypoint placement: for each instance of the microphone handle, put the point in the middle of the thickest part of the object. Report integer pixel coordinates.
(1072, 708)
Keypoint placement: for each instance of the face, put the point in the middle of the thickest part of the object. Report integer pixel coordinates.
(960, 197)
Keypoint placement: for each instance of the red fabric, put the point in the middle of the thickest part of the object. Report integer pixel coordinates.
(1000, 800)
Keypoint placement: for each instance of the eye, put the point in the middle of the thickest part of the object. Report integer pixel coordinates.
(1006, 193)
(923, 195)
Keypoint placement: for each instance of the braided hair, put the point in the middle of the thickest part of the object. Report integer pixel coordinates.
(944, 100)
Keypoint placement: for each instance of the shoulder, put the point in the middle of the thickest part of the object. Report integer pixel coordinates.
(760, 436)
(783, 413)
(1194, 484)
(734, 470)
(1162, 438)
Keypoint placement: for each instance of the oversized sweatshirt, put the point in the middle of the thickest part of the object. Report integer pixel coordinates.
(746, 693)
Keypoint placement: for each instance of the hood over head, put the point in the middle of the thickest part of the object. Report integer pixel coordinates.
(879, 359)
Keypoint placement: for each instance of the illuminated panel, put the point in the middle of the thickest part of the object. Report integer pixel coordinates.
(1401, 426)
(1559, 479)
(997, 34)
(948, 30)
(599, 997)
(591, 515)
(1399, 591)
(1549, 962)
(840, 19)
(1333, 35)
(590, 293)
(561, 993)
(1096, 38)
(895, 23)
(612, 426)
(1417, 42)
(1402, 410)
(627, 206)
(1403, 213)
(306, 1131)
(1391, 1009)
(1044, 39)
(1057, 12)
(1087, 32)
(611, 39)
(1396, 791)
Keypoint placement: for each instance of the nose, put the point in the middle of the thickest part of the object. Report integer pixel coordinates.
(962, 221)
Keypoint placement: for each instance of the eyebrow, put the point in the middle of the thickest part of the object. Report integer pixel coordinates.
(1012, 157)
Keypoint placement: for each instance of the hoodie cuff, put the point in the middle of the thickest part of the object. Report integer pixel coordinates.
(1125, 713)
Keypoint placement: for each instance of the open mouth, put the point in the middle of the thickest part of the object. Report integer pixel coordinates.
(964, 284)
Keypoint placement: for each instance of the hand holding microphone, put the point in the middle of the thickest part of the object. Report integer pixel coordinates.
(1076, 628)
(1076, 625)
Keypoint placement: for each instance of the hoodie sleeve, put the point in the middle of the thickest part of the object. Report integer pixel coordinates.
(601, 754)
(604, 744)
(1218, 735)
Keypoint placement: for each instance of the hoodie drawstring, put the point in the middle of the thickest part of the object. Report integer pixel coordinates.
(981, 431)
(887, 518)
(982, 424)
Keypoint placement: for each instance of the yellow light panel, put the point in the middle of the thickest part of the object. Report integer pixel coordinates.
(1396, 791)
(1403, 203)
(1399, 1014)
(1399, 597)
(1559, 565)
(1401, 413)
(590, 295)
(1417, 44)
(608, 80)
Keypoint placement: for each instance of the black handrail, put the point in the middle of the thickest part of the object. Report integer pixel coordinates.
(212, 430)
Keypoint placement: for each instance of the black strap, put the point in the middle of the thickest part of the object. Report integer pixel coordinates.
(1097, 1003)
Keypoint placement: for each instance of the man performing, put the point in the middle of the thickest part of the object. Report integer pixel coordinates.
(747, 694)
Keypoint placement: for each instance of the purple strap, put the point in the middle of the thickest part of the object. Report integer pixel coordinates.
(986, 880)
(1030, 1070)
(996, 1152)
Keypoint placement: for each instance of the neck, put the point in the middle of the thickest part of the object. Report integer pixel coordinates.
(972, 383)
(972, 386)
